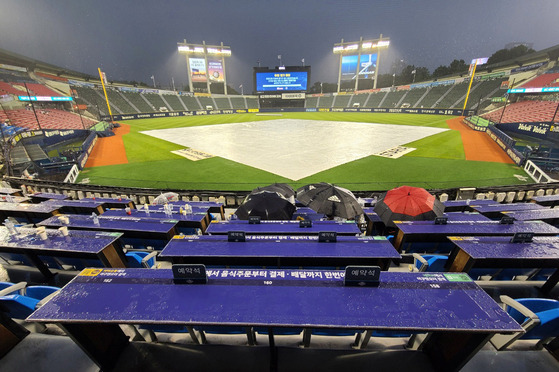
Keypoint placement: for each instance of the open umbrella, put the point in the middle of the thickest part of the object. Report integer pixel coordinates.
(333, 201)
(407, 203)
(307, 192)
(281, 188)
(165, 198)
(266, 204)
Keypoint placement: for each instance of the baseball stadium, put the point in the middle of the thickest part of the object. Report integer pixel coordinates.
(390, 219)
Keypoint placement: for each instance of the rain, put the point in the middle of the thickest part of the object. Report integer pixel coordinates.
(131, 40)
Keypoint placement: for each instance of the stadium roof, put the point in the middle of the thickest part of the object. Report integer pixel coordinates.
(31, 64)
(552, 53)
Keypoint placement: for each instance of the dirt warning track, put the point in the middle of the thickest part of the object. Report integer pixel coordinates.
(109, 150)
(478, 145)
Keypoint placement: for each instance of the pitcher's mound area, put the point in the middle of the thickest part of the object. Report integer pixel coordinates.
(291, 148)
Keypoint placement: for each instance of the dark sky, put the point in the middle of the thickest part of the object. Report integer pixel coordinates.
(134, 39)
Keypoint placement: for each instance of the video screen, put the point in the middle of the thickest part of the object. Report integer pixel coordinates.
(281, 81)
(367, 66)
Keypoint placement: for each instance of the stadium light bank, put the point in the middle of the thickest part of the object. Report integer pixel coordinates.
(357, 48)
(205, 63)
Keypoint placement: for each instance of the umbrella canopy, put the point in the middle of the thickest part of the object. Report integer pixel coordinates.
(307, 192)
(333, 201)
(165, 198)
(407, 203)
(266, 204)
(281, 188)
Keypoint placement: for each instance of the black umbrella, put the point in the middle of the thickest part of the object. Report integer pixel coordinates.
(333, 201)
(266, 204)
(281, 188)
(407, 203)
(306, 193)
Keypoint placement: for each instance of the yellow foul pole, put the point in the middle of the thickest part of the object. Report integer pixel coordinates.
(469, 87)
(105, 91)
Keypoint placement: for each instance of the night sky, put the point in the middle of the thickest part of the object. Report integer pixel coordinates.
(134, 39)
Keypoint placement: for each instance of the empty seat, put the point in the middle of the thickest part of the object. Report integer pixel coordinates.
(539, 318)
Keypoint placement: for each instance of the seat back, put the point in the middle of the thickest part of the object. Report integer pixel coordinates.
(39, 292)
(547, 311)
(17, 306)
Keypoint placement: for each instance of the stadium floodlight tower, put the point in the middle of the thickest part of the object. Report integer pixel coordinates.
(360, 59)
(205, 63)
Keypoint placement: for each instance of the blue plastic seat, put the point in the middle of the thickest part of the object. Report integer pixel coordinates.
(429, 263)
(543, 274)
(138, 259)
(167, 328)
(226, 330)
(4, 285)
(513, 273)
(308, 332)
(20, 306)
(71, 263)
(539, 318)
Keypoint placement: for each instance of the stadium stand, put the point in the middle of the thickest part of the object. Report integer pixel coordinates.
(486, 90)
(454, 94)
(238, 102)
(433, 96)
(92, 98)
(393, 98)
(6, 88)
(341, 100)
(252, 103)
(173, 101)
(528, 111)
(413, 96)
(357, 98)
(15, 76)
(311, 102)
(222, 103)
(138, 101)
(51, 77)
(41, 90)
(156, 101)
(544, 80)
(375, 99)
(206, 101)
(48, 119)
(190, 102)
(118, 103)
(325, 101)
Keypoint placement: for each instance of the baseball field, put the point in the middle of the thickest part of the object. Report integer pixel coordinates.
(359, 151)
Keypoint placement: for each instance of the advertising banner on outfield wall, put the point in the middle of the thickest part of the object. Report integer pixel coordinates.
(506, 143)
(454, 112)
(545, 131)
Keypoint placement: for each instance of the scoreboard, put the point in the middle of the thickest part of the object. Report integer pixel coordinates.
(281, 79)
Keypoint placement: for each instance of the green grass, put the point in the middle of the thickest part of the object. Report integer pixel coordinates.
(438, 162)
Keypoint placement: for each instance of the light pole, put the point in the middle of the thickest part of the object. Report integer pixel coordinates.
(320, 88)
(153, 79)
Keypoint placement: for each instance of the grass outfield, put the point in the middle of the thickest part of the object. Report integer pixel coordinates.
(438, 162)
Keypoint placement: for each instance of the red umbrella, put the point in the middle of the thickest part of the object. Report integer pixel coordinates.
(407, 203)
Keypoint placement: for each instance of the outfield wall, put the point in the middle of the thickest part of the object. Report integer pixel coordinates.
(451, 112)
